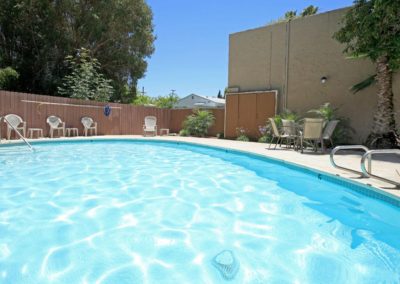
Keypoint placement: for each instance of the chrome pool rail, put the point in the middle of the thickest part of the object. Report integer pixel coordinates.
(19, 134)
(350, 147)
(368, 173)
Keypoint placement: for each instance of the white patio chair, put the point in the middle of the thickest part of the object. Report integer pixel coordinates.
(16, 123)
(150, 125)
(89, 125)
(312, 133)
(55, 124)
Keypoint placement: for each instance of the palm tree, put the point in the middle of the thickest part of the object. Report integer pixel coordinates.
(371, 28)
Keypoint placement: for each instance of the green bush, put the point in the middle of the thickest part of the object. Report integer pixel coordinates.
(184, 132)
(198, 123)
(286, 114)
(241, 134)
(220, 135)
(7, 76)
(343, 130)
(243, 138)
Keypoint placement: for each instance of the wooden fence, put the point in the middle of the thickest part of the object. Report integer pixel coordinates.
(248, 111)
(124, 119)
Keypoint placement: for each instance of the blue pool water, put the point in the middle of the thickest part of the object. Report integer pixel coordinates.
(142, 212)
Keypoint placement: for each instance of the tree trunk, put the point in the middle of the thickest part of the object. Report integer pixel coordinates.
(383, 129)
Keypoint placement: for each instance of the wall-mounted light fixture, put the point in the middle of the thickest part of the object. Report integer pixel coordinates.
(324, 79)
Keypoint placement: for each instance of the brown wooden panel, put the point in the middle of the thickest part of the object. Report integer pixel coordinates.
(231, 115)
(248, 110)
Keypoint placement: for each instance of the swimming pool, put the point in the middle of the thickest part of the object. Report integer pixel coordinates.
(158, 212)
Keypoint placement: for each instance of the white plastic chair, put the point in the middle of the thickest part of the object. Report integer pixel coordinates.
(15, 122)
(54, 122)
(89, 125)
(150, 125)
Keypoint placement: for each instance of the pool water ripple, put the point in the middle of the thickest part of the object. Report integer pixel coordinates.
(122, 212)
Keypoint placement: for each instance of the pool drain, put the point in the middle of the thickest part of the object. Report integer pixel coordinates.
(226, 264)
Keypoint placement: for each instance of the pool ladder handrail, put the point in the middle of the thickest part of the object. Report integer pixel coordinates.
(351, 147)
(368, 173)
(19, 134)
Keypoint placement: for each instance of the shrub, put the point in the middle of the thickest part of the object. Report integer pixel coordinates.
(286, 114)
(220, 135)
(7, 77)
(198, 123)
(343, 130)
(241, 134)
(184, 132)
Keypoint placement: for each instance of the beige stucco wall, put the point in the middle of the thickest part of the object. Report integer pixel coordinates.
(292, 57)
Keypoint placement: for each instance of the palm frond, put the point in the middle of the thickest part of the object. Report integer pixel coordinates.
(363, 84)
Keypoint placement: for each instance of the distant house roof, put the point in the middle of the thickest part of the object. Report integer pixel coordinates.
(198, 101)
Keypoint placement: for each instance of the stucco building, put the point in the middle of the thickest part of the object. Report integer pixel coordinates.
(293, 58)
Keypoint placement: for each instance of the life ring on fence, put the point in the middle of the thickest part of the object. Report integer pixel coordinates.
(107, 110)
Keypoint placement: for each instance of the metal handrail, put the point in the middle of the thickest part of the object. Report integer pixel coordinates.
(368, 173)
(350, 147)
(19, 134)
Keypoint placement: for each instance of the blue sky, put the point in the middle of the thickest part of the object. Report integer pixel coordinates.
(191, 50)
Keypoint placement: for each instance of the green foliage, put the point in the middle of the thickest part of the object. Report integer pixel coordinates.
(265, 139)
(285, 114)
(85, 80)
(243, 138)
(363, 84)
(310, 10)
(325, 111)
(7, 77)
(198, 123)
(166, 102)
(36, 36)
(371, 28)
(144, 100)
(160, 101)
(184, 132)
(220, 96)
(343, 130)
(290, 15)
(241, 134)
(220, 135)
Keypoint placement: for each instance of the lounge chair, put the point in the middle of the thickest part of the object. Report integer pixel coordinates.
(276, 134)
(312, 133)
(89, 125)
(16, 123)
(329, 129)
(150, 125)
(55, 123)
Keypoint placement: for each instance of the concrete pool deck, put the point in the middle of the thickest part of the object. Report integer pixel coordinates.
(388, 167)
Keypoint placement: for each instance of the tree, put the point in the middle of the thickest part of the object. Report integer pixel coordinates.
(290, 15)
(85, 80)
(168, 101)
(371, 28)
(8, 76)
(220, 95)
(310, 10)
(36, 36)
